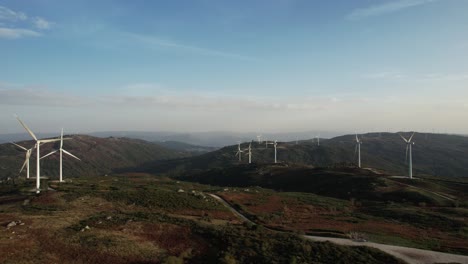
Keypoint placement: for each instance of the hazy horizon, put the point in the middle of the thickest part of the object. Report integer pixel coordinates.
(244, 66)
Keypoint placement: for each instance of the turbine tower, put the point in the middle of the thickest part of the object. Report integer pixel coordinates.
(409, 144)
(274, 145)
(64, 151)
(358, 150)
(239, 152)
(38, 158)
(259, 139)
(26, 161)
(250, 152)
(318, 139)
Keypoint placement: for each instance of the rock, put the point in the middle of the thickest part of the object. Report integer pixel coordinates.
(11, 224)
(109, 217)
(226, 189)
(22, 224)
(26, 202)
(181, 191)
(85, 228)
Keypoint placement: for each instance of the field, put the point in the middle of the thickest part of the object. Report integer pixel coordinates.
(420, 213)
(140, 218)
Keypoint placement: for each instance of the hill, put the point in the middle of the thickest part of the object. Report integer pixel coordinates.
(433, 154)
(339, 201)
(98, 156)
(181, 146)
(136, 218)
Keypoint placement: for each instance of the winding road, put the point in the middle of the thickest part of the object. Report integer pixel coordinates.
(410, 255)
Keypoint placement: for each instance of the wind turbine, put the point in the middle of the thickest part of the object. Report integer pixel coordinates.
(239, 151)
(38, 158)
(358, 150)
(408, 146)
(318, 139)
(274, 145)
(26, 161)
(259, 139)
(250, 152)
(61, 150)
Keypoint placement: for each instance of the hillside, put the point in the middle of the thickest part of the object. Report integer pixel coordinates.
(339, 201)
(181, 146)
(433, 154)
(98, 156)
(137, 218)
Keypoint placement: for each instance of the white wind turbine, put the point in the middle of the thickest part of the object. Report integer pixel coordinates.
(250, 152)
(38, 144)
(358, 150)
(239, 151)
(26, 161)
(274, 145)
(409, 146)
(318, 139)
(259, 139)
(64, 151)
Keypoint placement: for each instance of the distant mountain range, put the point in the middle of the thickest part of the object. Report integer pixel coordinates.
(433, 154)
(215, 139)
(98, 156)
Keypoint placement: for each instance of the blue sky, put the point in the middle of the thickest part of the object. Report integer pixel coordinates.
(272, 65)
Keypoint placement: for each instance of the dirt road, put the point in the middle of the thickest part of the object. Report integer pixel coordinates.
(410, 255)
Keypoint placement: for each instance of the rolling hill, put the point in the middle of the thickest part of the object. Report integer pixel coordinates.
(433, 154)
(99, 156)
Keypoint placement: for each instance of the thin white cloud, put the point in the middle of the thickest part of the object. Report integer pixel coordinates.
(10, 15)
(42, 23)
(384, 75)
(12, 24)
(15, 33)
(38, 97)
(385, 8)
(154, 41)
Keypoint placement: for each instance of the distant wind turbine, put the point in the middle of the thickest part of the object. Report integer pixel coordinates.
(250, 152)
(274, 145)
(64, 151)
(318, 139)
(409, 146)
(38, 158)
(26, 160)
(239, 151)
(259, 139)
(358, 150)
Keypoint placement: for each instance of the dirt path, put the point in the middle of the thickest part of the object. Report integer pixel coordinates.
(410, 255)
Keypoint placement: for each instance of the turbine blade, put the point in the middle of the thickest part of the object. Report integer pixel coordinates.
(61, 139)
(49, 140)
(409, 140)
(49, 154)
(403, 138)
(27, 129)
(19, 146)
(24, 164)
(357, 140)
(66, 152)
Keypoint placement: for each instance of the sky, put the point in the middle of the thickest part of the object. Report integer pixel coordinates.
(241, 66)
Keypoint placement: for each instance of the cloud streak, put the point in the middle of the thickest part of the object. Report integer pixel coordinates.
(42, 23)
(15, 33)
(12, 28)
(10, 15)
(154, 41)
(386, 8)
